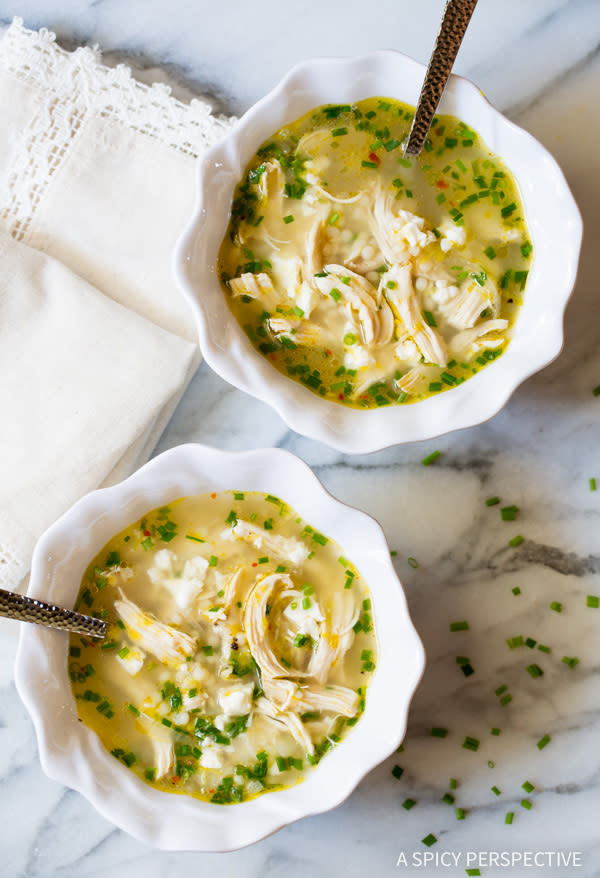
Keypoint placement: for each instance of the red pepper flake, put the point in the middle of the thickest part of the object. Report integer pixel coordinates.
(328, 352)
(438, 131)
(213, 496)
(272, 357)
(340, 395)
(147, 533)
(255, 563)
(441, 184)
(373, 157)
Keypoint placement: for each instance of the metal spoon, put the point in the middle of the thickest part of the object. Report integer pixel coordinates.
(452, 30)
(26, 609)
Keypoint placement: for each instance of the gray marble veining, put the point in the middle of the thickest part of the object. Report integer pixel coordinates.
(538, 60)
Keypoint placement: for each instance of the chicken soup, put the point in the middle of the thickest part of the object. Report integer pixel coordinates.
(240, 646)
(371, 278)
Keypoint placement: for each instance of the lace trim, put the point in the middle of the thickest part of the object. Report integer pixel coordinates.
(75, 84)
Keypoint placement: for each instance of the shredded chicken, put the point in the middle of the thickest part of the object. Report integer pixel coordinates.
(232, 589)
(464, 309)
(167, 643)
(402, 297)
(299, 332)
(285, 548)
(375, 319)
(400, 234)
(294, 724)
(256, 624)
(336, 636)
(257, 286)
(480, 337)
(337, 699)
(164, 757)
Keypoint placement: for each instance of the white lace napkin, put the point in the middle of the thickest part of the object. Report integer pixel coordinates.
(96, 344)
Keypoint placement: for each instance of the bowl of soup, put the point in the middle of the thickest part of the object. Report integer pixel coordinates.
(259, 658)
(373, 298)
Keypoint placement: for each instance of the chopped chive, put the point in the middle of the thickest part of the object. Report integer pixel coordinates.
(543, 742)
(439, 732)
(516, 590)
(207, 649)
(592, 484)
(596, 391)
(459, 626)
(570, 661)
(543, 648)
(195, 539)
(593, 601)
(492, 501)
(506, 699)
(509, 817)
(460, 814)
(397, 772)
(490, 252)
(516, 541)
(288, 219)
(471, 743)
(431, 458)
(496, 791)
(525, 803)
(509, 513)
(556, 606)
(412, 562)
(339, 132)
(514, 642)
(238, 495)
(467, 669)
(429, 318)
(264, 559)
(500, 690)
(213, 561)
(495, 731)
(407, 804)
(110, 645)
(133, 709)
(122, 653)
(528, 787)
(429, 840)
(534, 671)
(448, 799)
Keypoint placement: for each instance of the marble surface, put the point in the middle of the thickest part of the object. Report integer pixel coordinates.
(539, 62)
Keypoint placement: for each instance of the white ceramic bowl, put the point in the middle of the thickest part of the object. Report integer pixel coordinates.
(73, 754)
(551, 213)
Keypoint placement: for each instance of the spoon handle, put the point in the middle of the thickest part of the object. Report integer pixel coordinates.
(26, 609)
(452, 30)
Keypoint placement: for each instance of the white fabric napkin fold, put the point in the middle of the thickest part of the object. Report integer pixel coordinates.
(97, 178)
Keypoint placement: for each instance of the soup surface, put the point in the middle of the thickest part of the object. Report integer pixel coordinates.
(371, 278)
(240, 647)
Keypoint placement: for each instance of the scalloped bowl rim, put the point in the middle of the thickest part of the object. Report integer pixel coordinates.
(552, 218)
(73, 755)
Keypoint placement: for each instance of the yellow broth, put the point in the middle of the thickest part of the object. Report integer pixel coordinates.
(199, 688)
(433, 252)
